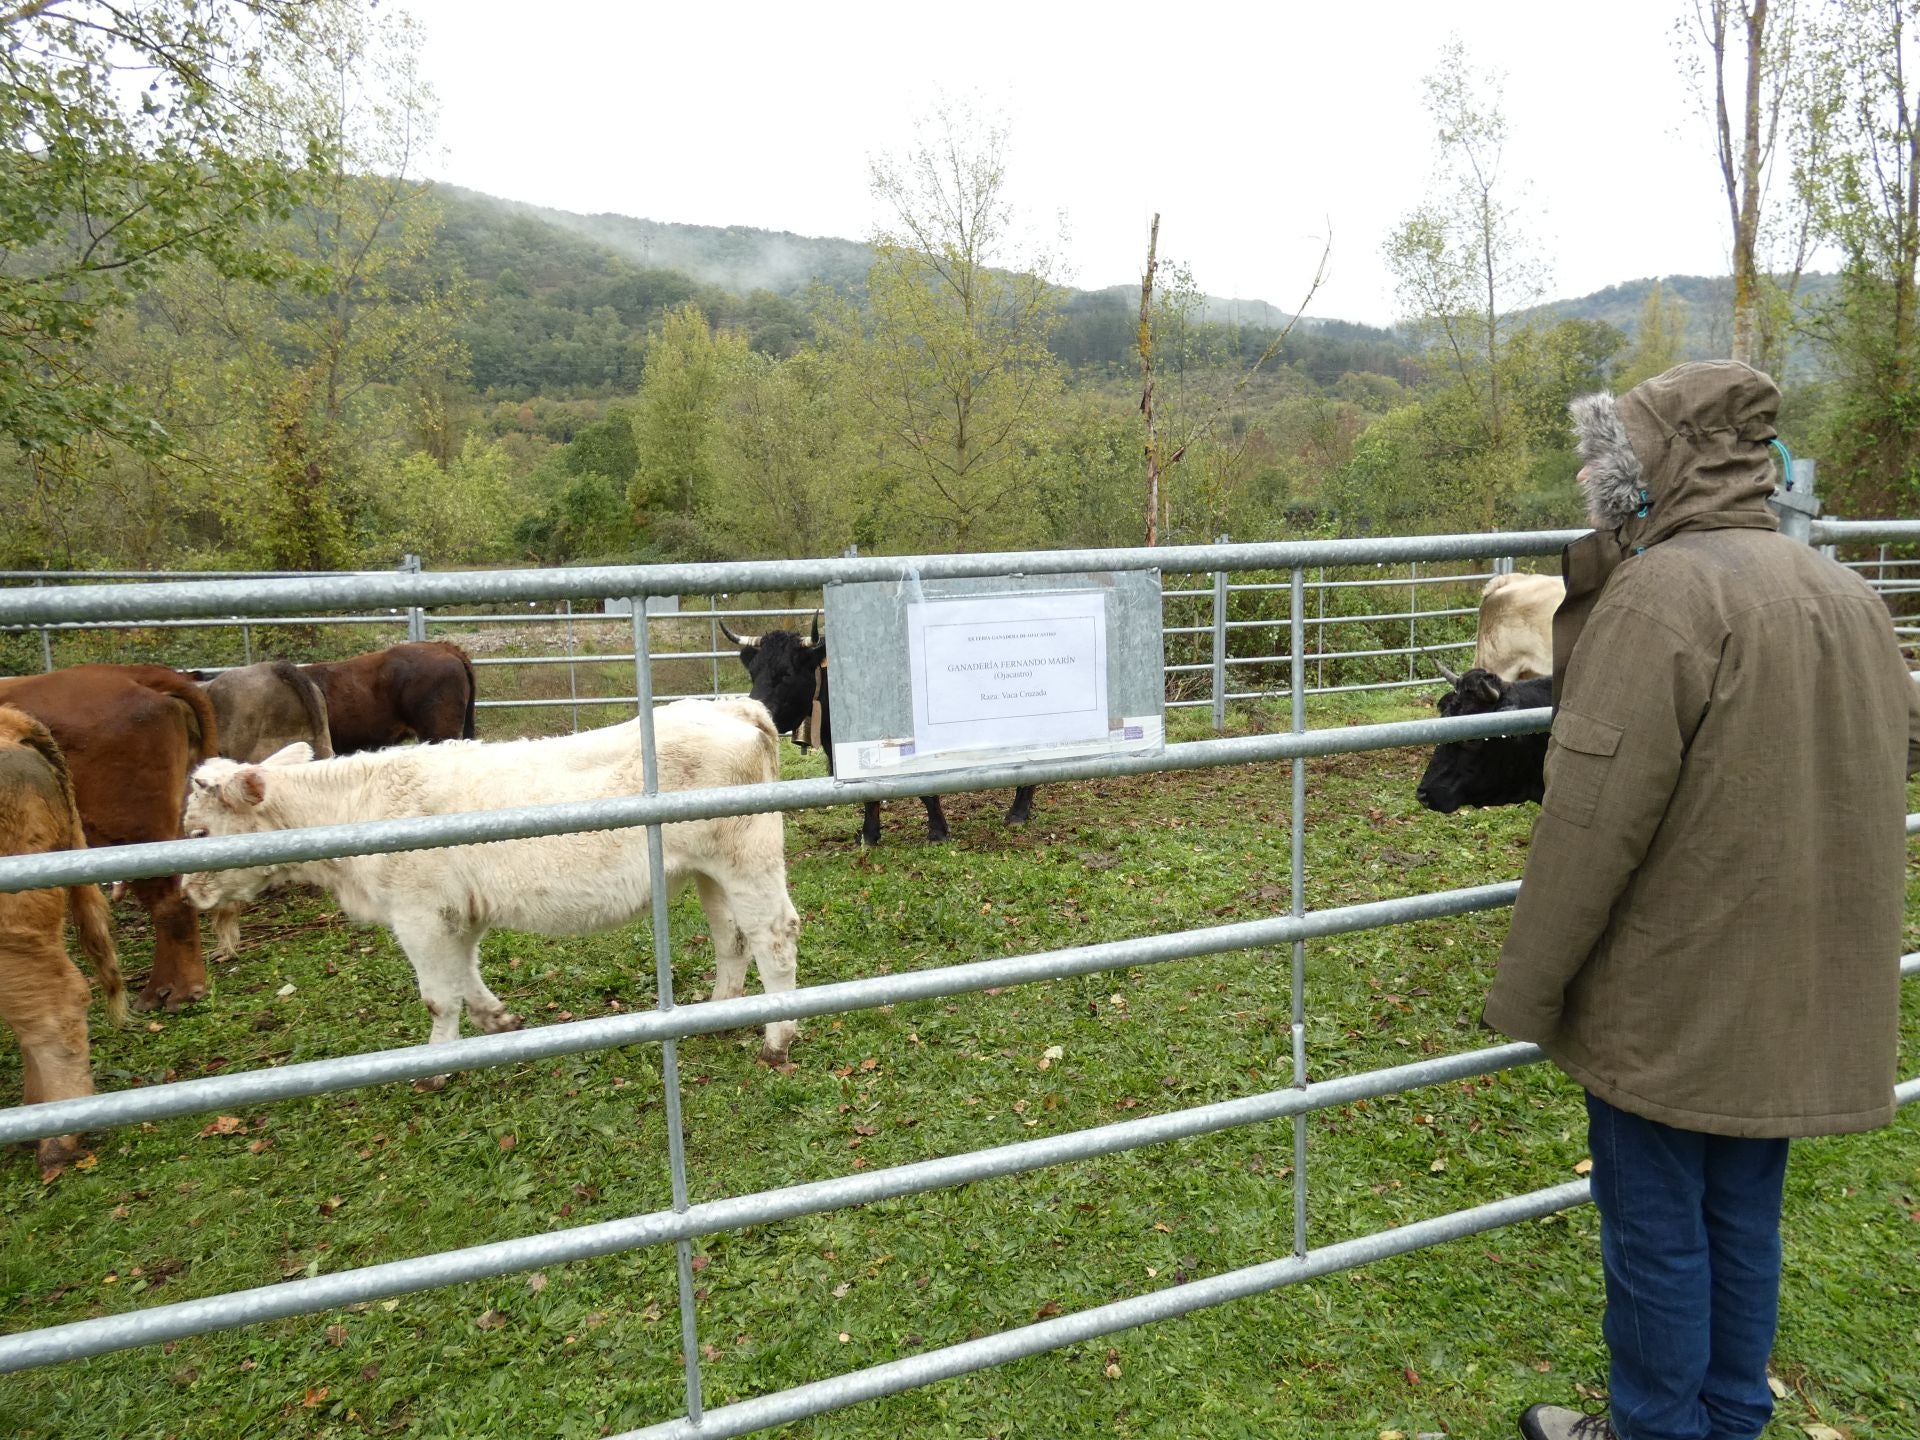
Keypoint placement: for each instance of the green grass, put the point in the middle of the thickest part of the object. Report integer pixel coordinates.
(1455, 1340)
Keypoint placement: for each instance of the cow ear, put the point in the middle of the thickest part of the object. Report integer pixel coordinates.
(298, 753)
(247, 787)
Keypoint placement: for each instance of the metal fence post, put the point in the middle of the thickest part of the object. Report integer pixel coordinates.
(573, 669)
(1297, 865)
(1220, 646)
(1413, 623)
(246, 643)
(46, 639)
(416, 617)
(1320, 637)
(1796, 503)
(663, 979)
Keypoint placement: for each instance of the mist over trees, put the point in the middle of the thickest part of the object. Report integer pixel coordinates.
(237, 328)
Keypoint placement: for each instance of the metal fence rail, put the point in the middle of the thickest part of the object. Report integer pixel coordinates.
(666, 1024)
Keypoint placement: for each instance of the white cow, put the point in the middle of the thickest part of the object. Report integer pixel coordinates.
(440, 902)
(1515, 639)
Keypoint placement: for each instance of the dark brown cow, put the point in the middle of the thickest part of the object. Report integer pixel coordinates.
(43, 998)
(131, 735)
(420, 690)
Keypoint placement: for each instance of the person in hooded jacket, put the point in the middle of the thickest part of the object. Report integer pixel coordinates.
(1707, 936)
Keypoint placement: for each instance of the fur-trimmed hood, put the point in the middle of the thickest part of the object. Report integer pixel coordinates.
(1685, 450)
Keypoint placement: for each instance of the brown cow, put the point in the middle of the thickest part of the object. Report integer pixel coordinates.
(131, 734)
(43, 997)
(419, 690)
(267, 707)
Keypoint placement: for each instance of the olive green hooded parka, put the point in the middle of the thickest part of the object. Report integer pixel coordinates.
(1708, 931)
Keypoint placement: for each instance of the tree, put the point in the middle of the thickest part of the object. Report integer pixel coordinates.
(676, 423)
(1461, 260)
(1767, 33)
(1463, 263)
(1657, 338)
(132, 138)
(949, 366)
(1860, 173)
(781, 463)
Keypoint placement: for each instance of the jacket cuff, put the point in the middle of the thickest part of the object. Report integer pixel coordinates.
(1536, 1022)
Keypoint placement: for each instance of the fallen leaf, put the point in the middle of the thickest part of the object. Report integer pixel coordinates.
(1779, 1390)
(254, 1147)
(336, 1335)
(840, 1290)
(1437, 1166)
(286, 990)
(331, 1204)
(869, 1063)
(491, 1320)
(845, 1337)
(1583, 1167)
(507, 1142)
(1413, 1375)
(1393, 1435)
(224, 1125)
(1054, 1052)
(1163, 1227)
(86, 1162)
(121, 1212)
(1047, 1311)
(700, 1262)
(537, 1282)
(389, 1305)
(316, 1395)
(1823, 1432)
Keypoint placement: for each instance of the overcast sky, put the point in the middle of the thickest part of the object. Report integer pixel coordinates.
(1252, 128)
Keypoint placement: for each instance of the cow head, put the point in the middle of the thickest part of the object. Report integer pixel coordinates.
(1500, 770)
(225, 797)
(785, 671)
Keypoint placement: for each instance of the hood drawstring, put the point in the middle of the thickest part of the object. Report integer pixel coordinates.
(1646, 504)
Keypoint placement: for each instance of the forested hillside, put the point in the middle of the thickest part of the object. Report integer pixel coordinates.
(245, 333)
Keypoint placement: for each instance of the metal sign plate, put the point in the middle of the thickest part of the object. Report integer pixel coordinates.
(941, 675)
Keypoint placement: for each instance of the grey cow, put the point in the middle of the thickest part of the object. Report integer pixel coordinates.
(264, 708)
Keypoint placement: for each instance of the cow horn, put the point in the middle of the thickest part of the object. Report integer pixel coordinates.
(1445, 673)
(816, 629)
(749, 640)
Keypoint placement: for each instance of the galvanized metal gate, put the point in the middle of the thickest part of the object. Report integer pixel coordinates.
(667, 1024)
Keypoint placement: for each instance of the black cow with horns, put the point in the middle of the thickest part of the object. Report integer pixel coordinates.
(790, 678)
(1500, 770)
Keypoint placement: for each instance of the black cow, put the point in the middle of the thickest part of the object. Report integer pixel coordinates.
(790, 677)
(1501, 770)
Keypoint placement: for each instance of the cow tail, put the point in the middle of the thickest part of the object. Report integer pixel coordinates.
(90, 918)
(313, 702)
(467, 731)
(90, 915)
(203, 731)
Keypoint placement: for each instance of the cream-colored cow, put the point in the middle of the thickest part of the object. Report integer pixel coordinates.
(439, 903)
(1515, 639)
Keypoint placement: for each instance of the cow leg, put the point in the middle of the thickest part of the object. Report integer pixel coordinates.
(870, 823)
(179, 975)
(447, 965)
(767, 922)
(226, 932)
(1022, 808)
(729, 945)
(936, 819)
(43, 998)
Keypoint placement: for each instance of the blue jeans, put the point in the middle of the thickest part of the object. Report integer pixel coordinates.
(1690, 1240)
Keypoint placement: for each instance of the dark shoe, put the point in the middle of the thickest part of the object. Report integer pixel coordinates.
(1557, 1422)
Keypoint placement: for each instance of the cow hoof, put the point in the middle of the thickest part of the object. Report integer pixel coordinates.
(499, 1024)
(431, 1084)
(776, 1060)
(56, 1152)
(180, 999)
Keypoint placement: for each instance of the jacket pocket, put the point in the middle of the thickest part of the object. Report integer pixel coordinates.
(1579, 760)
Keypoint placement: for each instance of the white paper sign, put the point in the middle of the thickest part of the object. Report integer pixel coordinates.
(1009, 671)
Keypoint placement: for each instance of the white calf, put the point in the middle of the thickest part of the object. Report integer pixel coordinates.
(440, 902)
